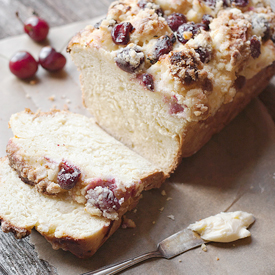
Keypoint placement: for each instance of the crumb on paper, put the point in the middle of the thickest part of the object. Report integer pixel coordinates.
(63, 96)
(28, 96)
(169, 198)
(161, 209)
(217, 258)
(163, 193)
(172, 217)
(203, 247)
(153, 222)
(66, 107)
(68, 101)
(180, 261)
(128, 223)
(33, 82)
(51, 98)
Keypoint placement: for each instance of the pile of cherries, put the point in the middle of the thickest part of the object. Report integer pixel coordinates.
(23, 64)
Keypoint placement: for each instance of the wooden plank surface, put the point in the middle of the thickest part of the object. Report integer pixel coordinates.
(18, 256)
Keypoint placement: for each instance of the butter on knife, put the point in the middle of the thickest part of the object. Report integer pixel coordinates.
(224, 227)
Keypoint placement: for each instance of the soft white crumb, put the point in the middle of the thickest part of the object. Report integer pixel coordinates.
(169, 198)
(172, 217)
(180, 261)
(68, 101)
(63, 96)
(163, 193)
(28, 96)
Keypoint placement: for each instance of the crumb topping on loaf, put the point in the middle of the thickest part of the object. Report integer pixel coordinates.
(200, 63)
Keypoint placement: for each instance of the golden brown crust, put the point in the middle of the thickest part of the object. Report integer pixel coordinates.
(198, 134)
(83, 248)
(18, 232)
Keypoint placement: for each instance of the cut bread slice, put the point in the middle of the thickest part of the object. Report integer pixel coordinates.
(63, 222)
(162, 92)
(61, 152)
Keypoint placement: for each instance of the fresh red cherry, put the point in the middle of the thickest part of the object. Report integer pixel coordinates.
(23, 65)
(51, 60)
(36, 27)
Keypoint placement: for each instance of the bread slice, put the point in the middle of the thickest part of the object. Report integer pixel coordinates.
(165, 98)
(63, 222)
(62, 152)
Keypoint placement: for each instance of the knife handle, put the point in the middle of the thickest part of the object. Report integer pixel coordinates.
(114, 268)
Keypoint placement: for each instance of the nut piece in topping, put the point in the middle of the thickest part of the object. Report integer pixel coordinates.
(130, 58)
(68, 175)
(121, 33)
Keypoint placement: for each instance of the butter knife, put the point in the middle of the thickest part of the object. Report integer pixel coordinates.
(174, 245)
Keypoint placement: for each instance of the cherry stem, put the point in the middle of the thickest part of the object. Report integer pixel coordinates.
(19, 18)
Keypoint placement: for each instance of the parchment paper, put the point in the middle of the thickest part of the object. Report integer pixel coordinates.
(234, 171)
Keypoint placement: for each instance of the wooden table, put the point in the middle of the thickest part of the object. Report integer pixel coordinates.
(18, 256)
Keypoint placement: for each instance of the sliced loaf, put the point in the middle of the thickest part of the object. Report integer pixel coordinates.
(63, 222)
(162, 83)
(62, 152)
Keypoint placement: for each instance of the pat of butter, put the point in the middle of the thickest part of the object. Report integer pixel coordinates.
(224, 227)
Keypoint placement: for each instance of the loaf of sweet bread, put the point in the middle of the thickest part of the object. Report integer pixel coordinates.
(63, 222)
(62, 152)
(164, 76)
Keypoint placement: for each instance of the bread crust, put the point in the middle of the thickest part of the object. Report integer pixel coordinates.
(198, 134)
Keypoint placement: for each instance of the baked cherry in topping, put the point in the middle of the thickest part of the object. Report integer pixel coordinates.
(187, 31)
(51, 60)
(148, 81)
(176, 108)
(205, 54)
(101, 193)
(23, 65)
(163, 46)
(240, 82)
(206, 20)
(142, 3)
(210, 3)
(68, 175)
(121, 33)
(148, 4)
(240, 3)
(36, 27)
(255, 46)
(174, 20)
(159, 12)
(129, 58)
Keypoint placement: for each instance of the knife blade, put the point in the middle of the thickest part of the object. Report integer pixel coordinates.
(172, 246)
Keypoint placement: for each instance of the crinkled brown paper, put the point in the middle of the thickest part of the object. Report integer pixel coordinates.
(234, 171)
